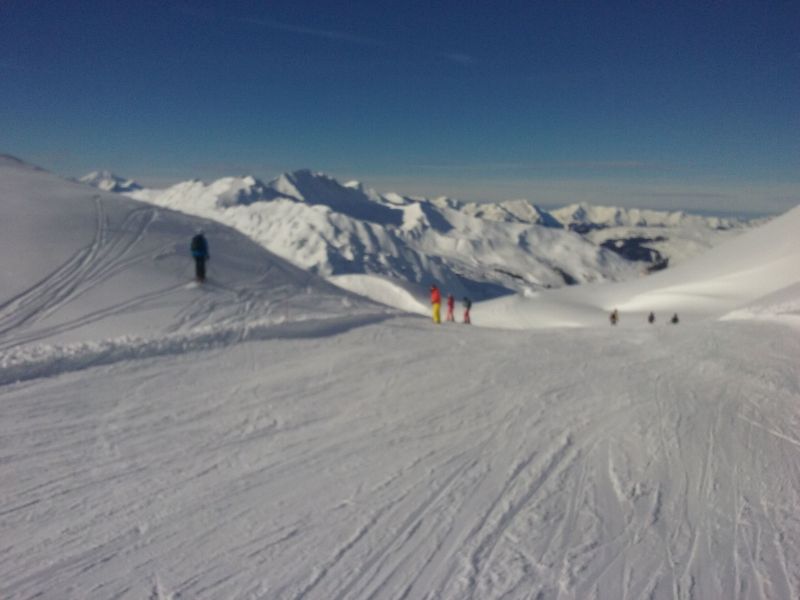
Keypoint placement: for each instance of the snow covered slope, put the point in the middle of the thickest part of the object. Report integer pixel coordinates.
(735, 274)
(235, 453)
(394, 461)
(80, 264)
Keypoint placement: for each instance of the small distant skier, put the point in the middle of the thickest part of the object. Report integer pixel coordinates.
(467, 306)
(436, 304)
(674, 319)
(651, 318)
(199, 248)
(451, 304)
(613, 317)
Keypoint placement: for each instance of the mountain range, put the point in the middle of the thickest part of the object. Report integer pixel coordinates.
(346, 231)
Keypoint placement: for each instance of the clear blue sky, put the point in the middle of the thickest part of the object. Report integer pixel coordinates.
(670, 104)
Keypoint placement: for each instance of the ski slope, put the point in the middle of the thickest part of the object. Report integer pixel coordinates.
(272, 436)
(394, 461)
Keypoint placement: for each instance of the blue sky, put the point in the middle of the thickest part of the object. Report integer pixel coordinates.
(676, 105)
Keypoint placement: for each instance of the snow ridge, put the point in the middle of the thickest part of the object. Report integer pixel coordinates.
(45, 360)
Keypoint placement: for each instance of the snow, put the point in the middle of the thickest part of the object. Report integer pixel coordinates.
(388, 461)
(397, 294)
(274, 436)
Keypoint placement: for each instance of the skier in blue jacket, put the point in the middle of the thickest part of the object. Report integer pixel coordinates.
(199, 248)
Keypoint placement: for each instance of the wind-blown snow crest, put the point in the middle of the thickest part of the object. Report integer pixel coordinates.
(45, 360)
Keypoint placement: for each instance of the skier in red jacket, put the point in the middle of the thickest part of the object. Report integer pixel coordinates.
(451, 304)
(467, 306)
(436, 303)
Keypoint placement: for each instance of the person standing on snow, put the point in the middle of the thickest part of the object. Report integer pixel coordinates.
(436, 303)
(451, 304)
(199, 248)
(613, 317)
(467, 306)
(651, 318)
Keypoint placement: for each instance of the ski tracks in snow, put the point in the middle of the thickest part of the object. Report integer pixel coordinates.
(111, 250)
(318, 468)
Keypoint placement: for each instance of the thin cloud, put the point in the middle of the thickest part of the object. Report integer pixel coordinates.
(338, 36)
(459, 58)
(619, 165)
(608, 165)
(687, 194)
(329, 34)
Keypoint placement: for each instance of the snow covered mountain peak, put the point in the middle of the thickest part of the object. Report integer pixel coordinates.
(351, 200)
(583, 217)
(233, 191)
(308, 186)
(512, 211)
(108, 182)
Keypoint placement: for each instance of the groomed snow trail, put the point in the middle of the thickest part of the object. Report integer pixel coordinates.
(399, 460)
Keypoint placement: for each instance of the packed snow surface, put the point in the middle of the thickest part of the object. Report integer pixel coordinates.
(272, 436)
(397, 461)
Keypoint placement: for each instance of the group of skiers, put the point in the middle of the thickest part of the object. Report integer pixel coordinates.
(651, 318)
(436, 304)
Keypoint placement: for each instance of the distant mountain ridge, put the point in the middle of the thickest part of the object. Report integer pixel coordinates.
(478, 249)
(585, 216)
(107, 181)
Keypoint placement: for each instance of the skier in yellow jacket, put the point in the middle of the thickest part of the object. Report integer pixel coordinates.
(436, 303)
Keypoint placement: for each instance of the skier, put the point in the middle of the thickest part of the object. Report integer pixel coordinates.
(651, 318)
(436, 303)
(451, 303)
(199, 248)
(467, 306)
(674, 319)
(613, 317)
